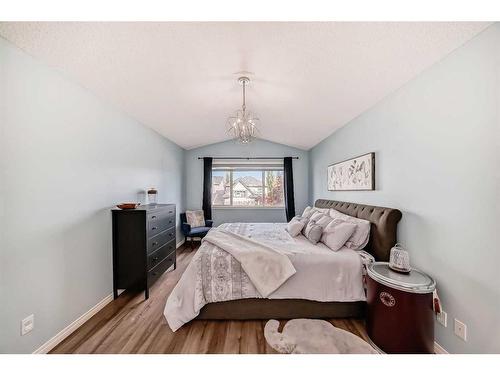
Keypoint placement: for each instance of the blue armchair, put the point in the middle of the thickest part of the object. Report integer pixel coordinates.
(194, 232)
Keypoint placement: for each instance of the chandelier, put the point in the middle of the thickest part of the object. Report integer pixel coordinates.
(243, 126)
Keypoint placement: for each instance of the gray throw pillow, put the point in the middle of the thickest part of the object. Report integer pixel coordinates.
(313, 232)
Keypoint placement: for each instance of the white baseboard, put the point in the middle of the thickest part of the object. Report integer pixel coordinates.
(179, 244)
(54, 341)
(58, 338)
(438, 349)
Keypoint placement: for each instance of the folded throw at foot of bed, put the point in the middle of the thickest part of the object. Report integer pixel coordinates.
(267, 268)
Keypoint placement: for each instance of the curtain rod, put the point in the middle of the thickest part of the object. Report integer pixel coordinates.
(249, 158)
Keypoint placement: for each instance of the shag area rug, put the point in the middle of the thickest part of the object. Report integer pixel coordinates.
(314, 336)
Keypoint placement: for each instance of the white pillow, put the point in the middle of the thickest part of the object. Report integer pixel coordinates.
(295, 225)
(361, 235)
(324, 220)
(337, 233)
(313, 216)
(308, 211)
(195, 218)
(316, 216)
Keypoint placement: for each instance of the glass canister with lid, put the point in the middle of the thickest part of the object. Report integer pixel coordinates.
(152, 195)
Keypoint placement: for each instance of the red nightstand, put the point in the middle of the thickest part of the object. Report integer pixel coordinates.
(400, 316)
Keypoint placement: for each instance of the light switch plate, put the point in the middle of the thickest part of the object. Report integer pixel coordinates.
(442, 318)
(460, 329)
(27, 324)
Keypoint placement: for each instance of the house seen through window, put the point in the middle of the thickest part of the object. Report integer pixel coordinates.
(247, 184)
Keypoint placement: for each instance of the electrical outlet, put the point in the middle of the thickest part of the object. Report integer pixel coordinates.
(460, 329)
(442, 318)
(27, 324)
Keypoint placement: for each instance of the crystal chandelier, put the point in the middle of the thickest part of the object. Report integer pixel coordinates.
(243, 126)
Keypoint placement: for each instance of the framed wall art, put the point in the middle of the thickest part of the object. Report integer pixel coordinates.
(357, 173)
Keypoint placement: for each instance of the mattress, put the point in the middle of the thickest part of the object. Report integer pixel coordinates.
(214, 275)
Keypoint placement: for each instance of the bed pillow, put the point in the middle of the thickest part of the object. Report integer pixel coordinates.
(336, 234)
(195, 218)
(361, 235)
(313, 231)
(296, 225)
(324, 220)
(313, 215)
(308, 211)
(316, 216)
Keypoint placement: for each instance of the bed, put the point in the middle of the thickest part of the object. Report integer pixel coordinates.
(326, 284)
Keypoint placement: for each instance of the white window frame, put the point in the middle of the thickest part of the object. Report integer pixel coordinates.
(232, 169)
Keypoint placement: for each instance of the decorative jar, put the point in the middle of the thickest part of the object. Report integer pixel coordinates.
(400, 259)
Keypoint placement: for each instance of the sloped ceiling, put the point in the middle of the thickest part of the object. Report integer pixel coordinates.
(308, 79)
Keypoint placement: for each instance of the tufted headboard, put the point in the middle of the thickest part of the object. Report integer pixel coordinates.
(384, 221)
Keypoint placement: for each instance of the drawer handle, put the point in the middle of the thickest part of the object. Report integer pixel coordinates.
(154, 228)
(155, 243)
(153, 217)
(170, 212)
(154, 273)
(170, 221)
(170, 234)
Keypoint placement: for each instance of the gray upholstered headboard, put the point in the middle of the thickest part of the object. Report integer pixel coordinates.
(384, 224)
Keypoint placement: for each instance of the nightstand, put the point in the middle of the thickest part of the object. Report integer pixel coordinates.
(400, 315)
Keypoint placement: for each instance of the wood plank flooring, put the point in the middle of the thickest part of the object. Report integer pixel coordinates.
(130, 324)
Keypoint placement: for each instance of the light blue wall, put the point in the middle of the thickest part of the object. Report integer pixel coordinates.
(258, 148)
(66, 159)
(437, 145)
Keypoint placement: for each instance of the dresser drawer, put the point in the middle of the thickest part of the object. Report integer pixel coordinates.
(157, 271)
(157, 241)
(159, 222)
(159, 214)
(160, 254)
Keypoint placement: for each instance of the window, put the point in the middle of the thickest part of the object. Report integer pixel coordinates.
(247, 184)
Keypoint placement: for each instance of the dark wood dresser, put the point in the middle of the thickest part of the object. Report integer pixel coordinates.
(143, 245)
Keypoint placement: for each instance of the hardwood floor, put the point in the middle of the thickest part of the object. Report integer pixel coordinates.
(130, 324)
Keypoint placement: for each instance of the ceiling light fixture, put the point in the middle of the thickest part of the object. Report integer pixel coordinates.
(243, 126)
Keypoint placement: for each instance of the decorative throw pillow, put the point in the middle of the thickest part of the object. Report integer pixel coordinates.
(316, 216)
(324, 220)
(337, 233)
(308, 211)
(296, 225)
(195, 218)
(313, 232)
(361, 235)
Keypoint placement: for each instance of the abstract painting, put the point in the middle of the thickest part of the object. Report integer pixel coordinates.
(354, 174)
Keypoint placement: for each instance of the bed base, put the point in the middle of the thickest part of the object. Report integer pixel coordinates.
(262, 308)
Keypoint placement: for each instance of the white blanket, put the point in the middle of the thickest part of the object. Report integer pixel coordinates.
(266, 268)
(215, 275)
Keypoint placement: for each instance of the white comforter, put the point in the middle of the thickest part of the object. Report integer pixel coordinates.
(215, 275)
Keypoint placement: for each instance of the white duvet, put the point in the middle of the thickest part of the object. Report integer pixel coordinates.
(215, 275)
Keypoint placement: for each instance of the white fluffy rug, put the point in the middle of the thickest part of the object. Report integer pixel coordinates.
(314, 336)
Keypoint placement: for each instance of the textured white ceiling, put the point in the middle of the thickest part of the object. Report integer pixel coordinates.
(178, 78)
